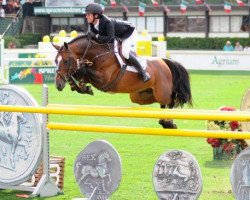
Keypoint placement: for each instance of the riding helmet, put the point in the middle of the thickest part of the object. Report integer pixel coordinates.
(94, 8)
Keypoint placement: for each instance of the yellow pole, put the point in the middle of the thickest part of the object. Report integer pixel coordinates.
(169, 114)
(148, 131)
(130, 108)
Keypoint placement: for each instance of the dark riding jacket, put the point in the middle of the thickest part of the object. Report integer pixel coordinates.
(110, 28)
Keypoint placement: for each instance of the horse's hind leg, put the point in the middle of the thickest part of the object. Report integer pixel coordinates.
(143, 98)
(167, 123)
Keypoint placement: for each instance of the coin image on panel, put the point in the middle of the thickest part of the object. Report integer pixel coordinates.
(240, 175)
(177, 175)
(20, 137)
(97, 170)
(245, 106)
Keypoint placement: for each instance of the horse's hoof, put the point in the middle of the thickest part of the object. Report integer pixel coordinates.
(167, 124)
(90, 91)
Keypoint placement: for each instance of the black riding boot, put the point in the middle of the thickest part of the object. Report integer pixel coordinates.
(145, 76)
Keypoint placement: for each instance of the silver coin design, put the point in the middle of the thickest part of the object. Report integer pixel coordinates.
(20, 137)
(240, 175)
(177, 175)
(97, 170)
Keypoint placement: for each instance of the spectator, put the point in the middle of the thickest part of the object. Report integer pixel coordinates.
(247, 48)
(12, 45)
(2, 12)
(4, 3)
(28, 13)
(228, 46)
(16, 5)
(10, 8)
(238, 47)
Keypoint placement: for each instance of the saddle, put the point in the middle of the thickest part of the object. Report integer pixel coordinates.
(126, 61)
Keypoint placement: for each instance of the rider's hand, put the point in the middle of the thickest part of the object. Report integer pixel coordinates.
(91, 34)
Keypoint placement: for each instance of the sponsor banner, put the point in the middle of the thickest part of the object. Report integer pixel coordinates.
(212, 60)
(38, 75)
(72, 3)
(58, 10)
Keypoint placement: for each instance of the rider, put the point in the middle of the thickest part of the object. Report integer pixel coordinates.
(105, 30)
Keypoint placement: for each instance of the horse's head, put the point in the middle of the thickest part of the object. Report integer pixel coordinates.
(103, 157)
(66, 62)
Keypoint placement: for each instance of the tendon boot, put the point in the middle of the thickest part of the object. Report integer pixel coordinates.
(133, 59)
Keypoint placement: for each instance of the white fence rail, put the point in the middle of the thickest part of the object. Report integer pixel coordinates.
(212, 60)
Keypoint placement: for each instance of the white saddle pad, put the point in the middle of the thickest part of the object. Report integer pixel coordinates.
(143, 62)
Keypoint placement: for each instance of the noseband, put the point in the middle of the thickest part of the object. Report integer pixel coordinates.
(67, 68)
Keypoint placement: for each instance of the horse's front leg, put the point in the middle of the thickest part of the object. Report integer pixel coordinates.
(13, 150)
(81, 88)
(85, 88)
(167, 123)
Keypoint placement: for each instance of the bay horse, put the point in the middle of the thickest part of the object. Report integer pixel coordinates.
(84, 60)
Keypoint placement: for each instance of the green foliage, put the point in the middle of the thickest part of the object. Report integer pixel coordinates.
(11, 39)
(177, 43)
(29, 38)
(22, 40)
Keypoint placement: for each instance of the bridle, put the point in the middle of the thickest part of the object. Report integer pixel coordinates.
(80, 63)
(64, 77)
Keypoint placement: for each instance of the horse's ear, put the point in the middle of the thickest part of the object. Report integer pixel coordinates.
(56, 46)
(66, 45)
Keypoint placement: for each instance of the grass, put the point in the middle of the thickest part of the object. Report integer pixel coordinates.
(211, 89)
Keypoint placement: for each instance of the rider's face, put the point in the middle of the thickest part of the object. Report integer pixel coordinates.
(90, 18)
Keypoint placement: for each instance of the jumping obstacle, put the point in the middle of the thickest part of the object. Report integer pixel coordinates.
(109, 111)
(137, 113)
(46, 186)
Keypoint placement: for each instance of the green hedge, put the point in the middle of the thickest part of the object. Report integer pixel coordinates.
(173, 43)
(176, 43)
(23, 39)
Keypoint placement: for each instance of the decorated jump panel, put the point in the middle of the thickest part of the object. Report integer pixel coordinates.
(240, 175)
(97, 170)
(177, 175)
(20, 137)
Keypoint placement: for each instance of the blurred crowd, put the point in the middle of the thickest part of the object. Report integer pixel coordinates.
(238, 47)
(9, 7)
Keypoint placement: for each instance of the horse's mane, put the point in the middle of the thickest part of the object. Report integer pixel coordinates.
(77, 38)
(81, 37)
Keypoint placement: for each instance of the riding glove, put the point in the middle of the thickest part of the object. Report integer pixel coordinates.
(91, 34)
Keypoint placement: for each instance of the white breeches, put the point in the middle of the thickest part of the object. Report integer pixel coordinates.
(129, 44)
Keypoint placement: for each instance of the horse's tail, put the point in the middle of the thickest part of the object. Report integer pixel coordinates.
(181, 93)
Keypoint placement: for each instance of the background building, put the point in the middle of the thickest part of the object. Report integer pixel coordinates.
(173, 18)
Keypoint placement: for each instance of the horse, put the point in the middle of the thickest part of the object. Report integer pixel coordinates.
(97, 171)
(84, 60)
(10, 132)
